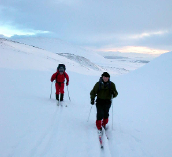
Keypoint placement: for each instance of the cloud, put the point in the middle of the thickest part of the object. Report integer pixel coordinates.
(135, 49)
(161, 40)
(93, 23)
(147, 34)
(10, 31)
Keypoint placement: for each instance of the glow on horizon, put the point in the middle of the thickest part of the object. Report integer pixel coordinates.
(134, 49)
(8, 31)
(148, 34)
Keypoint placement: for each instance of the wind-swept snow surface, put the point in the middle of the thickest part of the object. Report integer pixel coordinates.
(32, 125)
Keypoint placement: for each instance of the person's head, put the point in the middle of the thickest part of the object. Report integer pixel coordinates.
(105, 77)
(61, 70)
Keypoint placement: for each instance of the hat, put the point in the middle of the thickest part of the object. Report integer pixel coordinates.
(105, 74)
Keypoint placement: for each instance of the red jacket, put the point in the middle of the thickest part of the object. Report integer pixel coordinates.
(60, 77)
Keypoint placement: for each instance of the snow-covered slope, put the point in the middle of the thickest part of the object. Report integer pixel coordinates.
(59, 46)
(21, 56)
(144, 107)
(33, 126)
(115, 66)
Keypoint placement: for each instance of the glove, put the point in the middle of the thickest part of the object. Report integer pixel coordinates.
(114, 93)
(92, 101)
(67, 83)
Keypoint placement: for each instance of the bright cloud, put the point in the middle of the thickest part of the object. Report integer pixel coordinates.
(135, 49)
(8, 31)
(147, 34)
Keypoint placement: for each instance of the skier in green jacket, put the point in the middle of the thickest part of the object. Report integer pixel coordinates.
(105, 90)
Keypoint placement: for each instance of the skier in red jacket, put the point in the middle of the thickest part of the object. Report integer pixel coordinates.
(60, 76)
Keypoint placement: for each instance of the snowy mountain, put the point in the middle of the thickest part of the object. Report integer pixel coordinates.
(14, 53)
(57, 46)
(115, 66)
(32, 125)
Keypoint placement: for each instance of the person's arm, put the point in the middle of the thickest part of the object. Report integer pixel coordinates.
(114, 91)
(93, 92)
(67, 78)
(53, 77)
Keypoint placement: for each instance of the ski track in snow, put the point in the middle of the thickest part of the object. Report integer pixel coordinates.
(52, 141)
(32, 147)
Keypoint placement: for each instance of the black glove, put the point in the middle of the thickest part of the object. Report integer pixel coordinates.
(114, 93)
(92, 101)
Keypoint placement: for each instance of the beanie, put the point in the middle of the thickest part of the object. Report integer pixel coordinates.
(105, 74)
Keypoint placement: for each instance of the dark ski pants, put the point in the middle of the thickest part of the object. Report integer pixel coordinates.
(103, 107)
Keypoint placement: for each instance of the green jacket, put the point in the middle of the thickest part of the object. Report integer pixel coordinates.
(104, 92)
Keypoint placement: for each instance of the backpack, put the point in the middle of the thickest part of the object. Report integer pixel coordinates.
(61, 67)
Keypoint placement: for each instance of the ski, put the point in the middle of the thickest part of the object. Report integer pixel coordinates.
(100, 135)
(58, 103)
(106, 134)
(105, 129)
(64, 103)
(101, 142)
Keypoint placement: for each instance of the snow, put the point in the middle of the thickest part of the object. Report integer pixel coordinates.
(128, 61)
(32, 125)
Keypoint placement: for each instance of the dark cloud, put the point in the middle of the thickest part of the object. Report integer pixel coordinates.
(156, 41)
(91, 22)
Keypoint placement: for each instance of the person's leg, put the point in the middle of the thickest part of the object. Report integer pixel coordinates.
(106, 114)
(100, 116)
(61, 97)
(61, 91)
(57, 91)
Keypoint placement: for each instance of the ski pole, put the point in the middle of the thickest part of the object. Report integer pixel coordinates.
(68, 93)
(89, 113)
(112, 110)
(51, 89)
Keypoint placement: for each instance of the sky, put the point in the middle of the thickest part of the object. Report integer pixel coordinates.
(111, 25)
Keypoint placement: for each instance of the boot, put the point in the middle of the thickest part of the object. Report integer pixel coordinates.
(57, 97)
(61, 97)
(100, 132)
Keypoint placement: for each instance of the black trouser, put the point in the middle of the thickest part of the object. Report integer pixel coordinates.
(103, 107)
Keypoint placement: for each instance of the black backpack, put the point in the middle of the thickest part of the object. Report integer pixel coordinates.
(61, 67)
